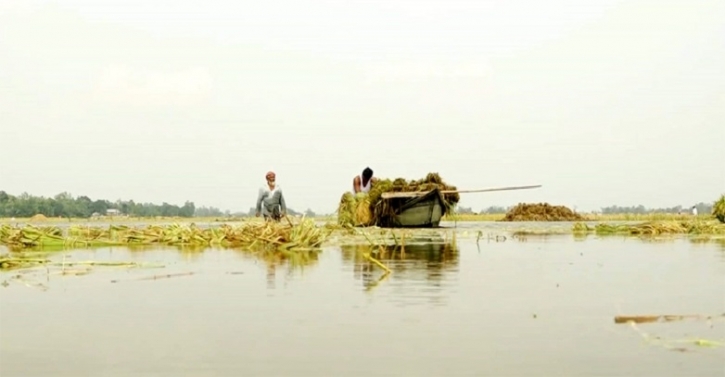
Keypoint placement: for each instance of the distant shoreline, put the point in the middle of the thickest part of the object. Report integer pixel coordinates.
(225, 219)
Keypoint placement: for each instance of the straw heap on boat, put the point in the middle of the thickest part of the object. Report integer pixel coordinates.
(371, 209)
(718, 209)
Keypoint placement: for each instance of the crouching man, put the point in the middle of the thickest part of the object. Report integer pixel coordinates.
(363, 183)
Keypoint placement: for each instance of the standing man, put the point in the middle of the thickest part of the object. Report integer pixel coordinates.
(270, 201)
(364, 182)
(694, 210)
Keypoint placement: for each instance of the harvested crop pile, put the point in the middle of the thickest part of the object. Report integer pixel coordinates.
(38, 217)
(718, 209)
(541, 212)
(370, 209)
(355, 210)
(253, 236)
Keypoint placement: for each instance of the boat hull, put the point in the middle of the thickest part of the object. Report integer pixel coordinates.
(422, 212)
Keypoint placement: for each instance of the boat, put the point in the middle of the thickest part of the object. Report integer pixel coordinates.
(402, 209)
(423, 211)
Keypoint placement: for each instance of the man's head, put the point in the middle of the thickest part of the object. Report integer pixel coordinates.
(270, 177)
(367, 174)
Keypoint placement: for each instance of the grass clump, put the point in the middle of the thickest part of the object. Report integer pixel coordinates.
(718, 209)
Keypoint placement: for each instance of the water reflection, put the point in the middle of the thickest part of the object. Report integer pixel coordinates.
(285, 262)
(430, 267)
(39, 264)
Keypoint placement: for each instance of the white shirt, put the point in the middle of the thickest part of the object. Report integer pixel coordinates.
(366, 188)
(269, 199)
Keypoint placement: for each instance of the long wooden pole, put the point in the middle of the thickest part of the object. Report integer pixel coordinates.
(410, 194)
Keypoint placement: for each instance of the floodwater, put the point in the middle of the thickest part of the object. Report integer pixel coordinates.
(526, 306)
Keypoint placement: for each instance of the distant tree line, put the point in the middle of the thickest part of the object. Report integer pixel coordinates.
(489, 210)
(65, 205)
(701, 208)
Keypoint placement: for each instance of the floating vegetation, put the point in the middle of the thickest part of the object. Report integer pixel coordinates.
(541, 212)
(263, 235)
(23, 268)
(8, 262)
(157, 277)
(678, 345)
(653, 228)
(620, 319)
(371, 209)
(718, 209)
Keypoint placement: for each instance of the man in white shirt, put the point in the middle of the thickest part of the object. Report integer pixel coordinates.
(694, 210)
(363, 183)
(270, 201)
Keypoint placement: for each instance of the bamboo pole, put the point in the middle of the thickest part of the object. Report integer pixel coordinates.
(410, 194)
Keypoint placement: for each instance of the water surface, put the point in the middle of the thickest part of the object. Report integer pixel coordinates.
(523, 307)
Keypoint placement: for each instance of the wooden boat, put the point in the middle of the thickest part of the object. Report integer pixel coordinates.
(424, 211)
(411, 209)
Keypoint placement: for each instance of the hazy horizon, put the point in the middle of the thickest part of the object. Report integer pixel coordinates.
(602, 102)
(302, 210)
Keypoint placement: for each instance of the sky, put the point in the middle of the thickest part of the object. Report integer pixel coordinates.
(601, 102)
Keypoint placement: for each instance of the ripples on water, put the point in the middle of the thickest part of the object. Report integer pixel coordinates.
(530, 306)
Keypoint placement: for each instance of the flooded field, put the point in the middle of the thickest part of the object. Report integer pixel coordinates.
(523, 305)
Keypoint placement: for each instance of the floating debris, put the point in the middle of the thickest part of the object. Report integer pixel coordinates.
(661, 318)
(8, 262)
(157, 277)
(675, 344)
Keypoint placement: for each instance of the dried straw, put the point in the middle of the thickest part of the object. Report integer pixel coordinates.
(267, 235)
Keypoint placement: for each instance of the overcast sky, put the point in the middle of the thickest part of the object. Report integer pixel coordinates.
(600, 101)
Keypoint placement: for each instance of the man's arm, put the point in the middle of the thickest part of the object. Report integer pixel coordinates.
(282, 202)
(356, 184)
(259, 201)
